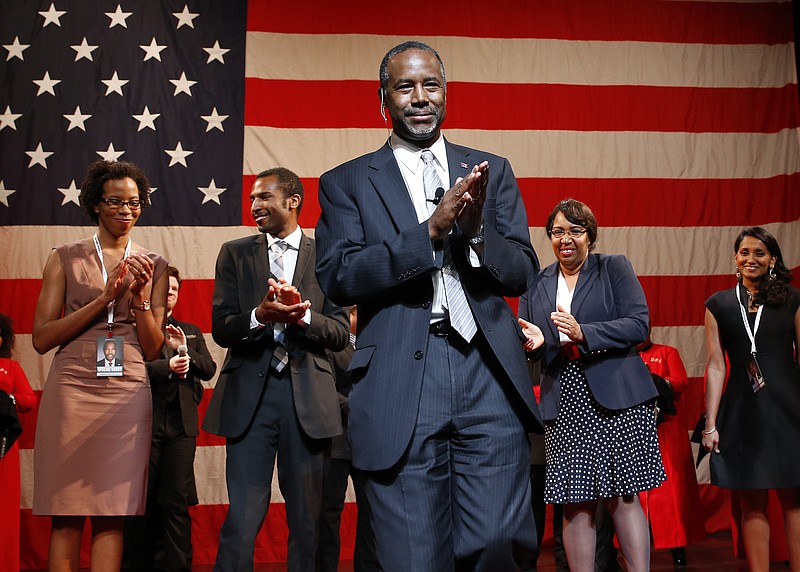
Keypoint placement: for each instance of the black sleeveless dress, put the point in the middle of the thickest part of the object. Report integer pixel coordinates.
(759, 432)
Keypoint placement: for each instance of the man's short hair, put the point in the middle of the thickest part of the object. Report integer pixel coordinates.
(383, 74)
(174, 273)
(288, 182)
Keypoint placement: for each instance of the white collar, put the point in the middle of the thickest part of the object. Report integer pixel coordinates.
(411, 155)
(292, 239)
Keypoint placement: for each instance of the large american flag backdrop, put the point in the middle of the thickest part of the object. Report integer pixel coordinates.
(676, 121)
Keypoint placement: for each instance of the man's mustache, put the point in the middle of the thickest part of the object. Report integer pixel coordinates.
(422, 111)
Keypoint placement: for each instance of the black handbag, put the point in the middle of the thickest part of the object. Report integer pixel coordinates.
(666, 397)
(697, 437)
(10, 427)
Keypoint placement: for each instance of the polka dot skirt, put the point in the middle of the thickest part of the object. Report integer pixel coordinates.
(593, 452)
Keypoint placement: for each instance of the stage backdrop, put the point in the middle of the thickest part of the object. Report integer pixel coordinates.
(676, 121)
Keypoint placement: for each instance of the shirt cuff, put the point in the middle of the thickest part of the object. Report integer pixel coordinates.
(254, 323)
(472, 257)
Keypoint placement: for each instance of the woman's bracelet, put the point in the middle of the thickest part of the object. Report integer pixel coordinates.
(709, 431)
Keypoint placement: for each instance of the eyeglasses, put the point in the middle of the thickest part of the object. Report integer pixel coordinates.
(116, 204)
(574, 232)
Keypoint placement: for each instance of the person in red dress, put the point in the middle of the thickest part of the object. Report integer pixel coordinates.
(13, 382)
(672, 508)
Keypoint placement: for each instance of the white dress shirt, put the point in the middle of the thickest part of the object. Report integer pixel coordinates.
(409, 159)
(289, 266)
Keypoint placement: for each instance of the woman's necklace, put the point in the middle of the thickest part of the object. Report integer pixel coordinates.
(751, 300)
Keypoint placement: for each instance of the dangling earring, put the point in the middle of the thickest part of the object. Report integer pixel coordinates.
(738, 275)
(772, 273)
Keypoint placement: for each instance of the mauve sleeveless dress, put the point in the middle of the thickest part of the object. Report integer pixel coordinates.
(93, 433)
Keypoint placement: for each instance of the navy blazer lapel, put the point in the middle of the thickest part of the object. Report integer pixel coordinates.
(457, 162)
(547, 294)
(587, 278)
(260, 263)
(388, 182)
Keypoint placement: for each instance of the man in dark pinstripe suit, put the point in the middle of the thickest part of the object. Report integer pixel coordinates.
(438, 418)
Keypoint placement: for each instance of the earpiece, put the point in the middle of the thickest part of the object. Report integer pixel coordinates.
(381, 93)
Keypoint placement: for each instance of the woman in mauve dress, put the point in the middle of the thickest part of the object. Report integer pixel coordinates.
(93, 431)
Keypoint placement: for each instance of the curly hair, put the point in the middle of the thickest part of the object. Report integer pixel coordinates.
(577, 213)
(773, 287)
(99, 173)
(7, 333)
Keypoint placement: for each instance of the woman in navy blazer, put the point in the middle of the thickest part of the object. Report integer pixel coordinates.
(589, 312)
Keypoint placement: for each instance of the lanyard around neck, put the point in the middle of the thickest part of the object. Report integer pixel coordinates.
(105, 275)
(750, 333)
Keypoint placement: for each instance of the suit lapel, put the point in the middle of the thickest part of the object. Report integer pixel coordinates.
(457, 162)
(259, 267)
(587, 278)
(304, 256)
(387, 180)
(547, 294)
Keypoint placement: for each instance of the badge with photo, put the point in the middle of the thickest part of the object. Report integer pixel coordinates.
(110, 356)
(754, 374)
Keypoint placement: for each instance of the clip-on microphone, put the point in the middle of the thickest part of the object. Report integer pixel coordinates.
(437, 196)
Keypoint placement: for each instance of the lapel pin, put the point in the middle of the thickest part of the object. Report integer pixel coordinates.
(464, 166)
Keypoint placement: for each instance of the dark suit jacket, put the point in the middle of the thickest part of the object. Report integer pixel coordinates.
(241, 283)
(168, 387)
(340, 445)
(373, 252)
(610, 306)
(102, 363)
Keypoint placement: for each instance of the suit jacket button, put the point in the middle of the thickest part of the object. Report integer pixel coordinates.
(261, 374)
(417, 354)
(425, 305)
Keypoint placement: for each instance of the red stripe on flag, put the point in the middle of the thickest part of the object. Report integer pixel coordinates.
(308, 214)
(194, 303)
(680, 300)
(631, 202)
(28, 422)
(685, 22)
(668, 202)
(354, 104)
(19, 301)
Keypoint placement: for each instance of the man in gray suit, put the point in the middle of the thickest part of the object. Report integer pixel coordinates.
(276, 393)
(427, 238)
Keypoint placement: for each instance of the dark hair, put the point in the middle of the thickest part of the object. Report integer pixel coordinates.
(7, 332)
(383, 74)
(174, 273)
(289, 183)
(99, 173)
(773, 287)
(577, 213)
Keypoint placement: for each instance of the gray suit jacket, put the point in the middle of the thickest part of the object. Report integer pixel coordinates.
(241, 283)
(373, 252)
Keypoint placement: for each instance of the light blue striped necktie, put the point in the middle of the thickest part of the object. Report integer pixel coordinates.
(455, 299)
(280, 357)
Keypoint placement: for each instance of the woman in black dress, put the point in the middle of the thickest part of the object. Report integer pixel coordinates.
(596, 393)
(753, 428)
